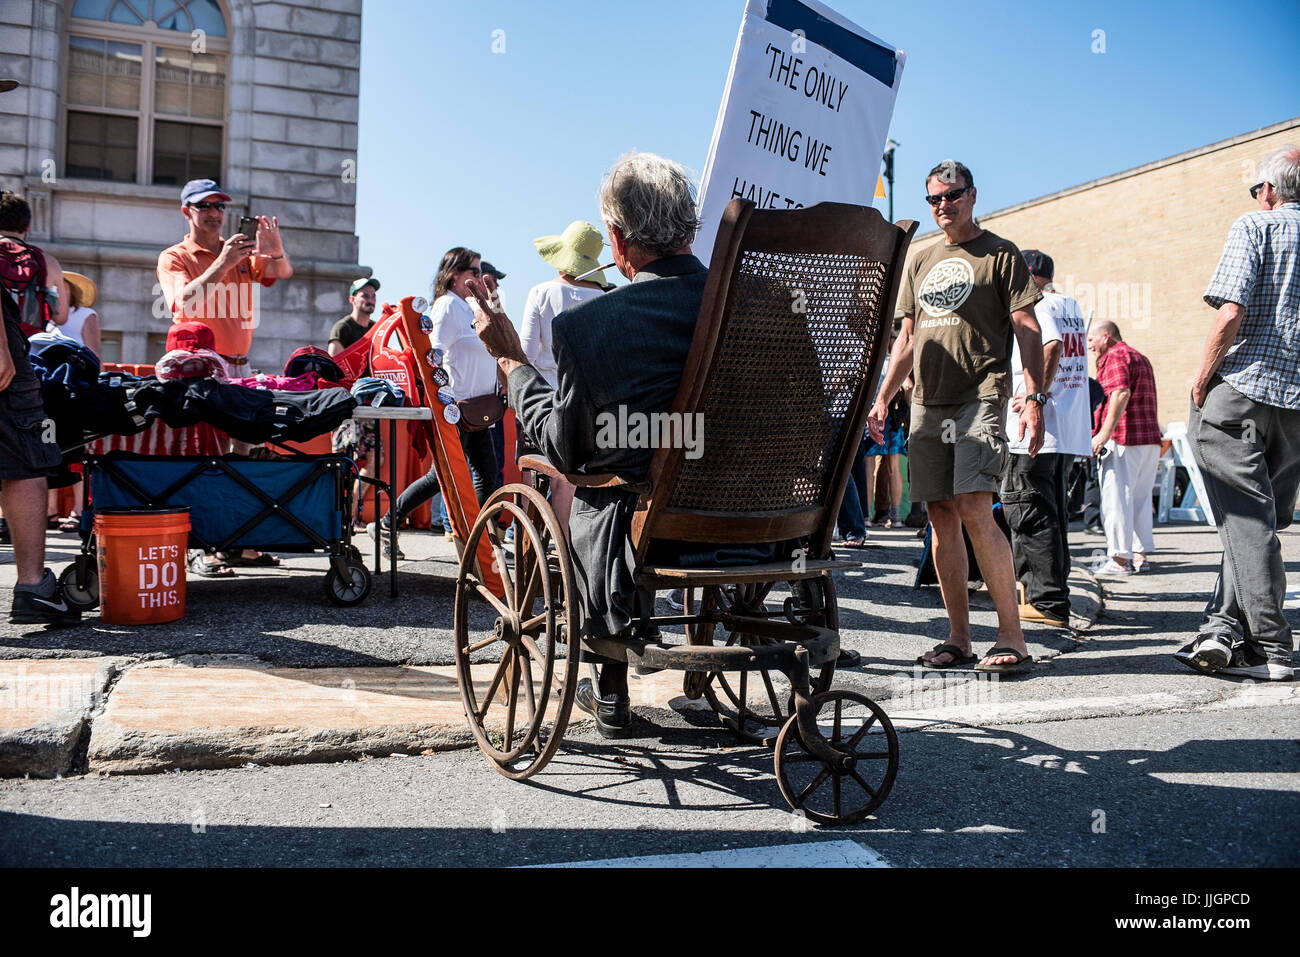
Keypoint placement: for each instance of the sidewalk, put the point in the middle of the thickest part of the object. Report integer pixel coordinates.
(262, 670)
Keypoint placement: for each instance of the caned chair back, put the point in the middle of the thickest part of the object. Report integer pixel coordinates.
(793, 332)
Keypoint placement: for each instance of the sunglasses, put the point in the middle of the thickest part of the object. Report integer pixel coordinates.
(1254, 190)
(220, 207)
(474, 269)
(951, 196)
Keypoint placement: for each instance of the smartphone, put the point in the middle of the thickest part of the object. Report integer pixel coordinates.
(248, 226)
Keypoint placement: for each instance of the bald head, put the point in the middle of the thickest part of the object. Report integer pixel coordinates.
(1102, 336)
(1109, 328)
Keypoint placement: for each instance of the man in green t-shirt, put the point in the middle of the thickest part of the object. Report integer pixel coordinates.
(962, 300)
(356, 438)
(348, 330)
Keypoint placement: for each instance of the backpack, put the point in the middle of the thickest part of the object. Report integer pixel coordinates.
(23, 278)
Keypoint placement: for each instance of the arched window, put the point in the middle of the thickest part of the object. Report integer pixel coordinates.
(145, 91)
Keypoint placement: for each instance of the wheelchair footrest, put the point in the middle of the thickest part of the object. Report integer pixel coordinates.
(777, 653)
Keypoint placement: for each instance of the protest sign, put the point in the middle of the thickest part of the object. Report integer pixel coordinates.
(804, 116)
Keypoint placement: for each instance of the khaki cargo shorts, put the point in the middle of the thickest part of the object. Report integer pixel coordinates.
(955, 449)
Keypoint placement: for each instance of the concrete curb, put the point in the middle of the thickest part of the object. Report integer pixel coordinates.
(223, 711)
(45, 711)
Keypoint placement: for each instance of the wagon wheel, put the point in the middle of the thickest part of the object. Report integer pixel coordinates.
(755, 704)
(518, 692)
(844, 791)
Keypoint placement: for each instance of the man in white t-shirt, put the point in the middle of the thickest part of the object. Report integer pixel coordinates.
(1034, 488)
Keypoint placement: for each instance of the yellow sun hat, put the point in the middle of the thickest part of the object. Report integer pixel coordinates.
(575, 251)
(84, 285)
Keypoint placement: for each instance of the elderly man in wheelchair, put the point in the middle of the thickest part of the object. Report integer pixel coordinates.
(703, 416)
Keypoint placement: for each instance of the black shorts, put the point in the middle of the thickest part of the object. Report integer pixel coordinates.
(28, 446)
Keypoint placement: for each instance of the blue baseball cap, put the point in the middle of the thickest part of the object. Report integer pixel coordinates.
(197, 190)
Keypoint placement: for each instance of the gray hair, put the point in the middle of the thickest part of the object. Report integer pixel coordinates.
(1282, 168)
(652, 202)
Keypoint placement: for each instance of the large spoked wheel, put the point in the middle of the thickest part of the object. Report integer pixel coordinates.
(755, 704)
(517, 683)
(849, 788)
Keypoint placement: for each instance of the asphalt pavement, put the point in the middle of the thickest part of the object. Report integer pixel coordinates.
(1205, 789)
(1110, 753)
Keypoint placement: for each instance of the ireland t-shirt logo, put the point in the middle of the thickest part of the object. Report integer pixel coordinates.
(946, 287)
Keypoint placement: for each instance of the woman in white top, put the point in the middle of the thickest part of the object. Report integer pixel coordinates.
(473, 373)
(82, 323)
(573, 253)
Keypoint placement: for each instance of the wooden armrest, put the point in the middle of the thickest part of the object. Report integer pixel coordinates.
(538, 463)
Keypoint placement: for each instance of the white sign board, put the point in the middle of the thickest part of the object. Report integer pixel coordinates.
(804, 116)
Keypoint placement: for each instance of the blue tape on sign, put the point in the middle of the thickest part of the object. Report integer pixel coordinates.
(869, 57)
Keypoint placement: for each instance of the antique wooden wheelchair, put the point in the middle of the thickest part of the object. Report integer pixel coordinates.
(787, 353)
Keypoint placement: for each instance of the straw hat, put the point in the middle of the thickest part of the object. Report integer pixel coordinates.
(84, 285)
(575, 251)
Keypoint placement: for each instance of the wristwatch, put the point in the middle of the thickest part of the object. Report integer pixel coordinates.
(1039, 397)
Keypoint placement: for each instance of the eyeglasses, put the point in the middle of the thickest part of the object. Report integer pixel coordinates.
(951, 196)
(1254, 190)
(474, 269)
(219, 207)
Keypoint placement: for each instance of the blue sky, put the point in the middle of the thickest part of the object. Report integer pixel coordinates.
(463, 146)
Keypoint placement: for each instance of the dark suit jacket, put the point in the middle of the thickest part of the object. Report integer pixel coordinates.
(627, 348)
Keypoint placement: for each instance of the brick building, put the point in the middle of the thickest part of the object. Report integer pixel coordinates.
(123, 101)
(1139, 247)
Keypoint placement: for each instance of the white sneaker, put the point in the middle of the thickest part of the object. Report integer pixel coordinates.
(1111, 569)
(677, 599)
(374, 531)
(1139, 563)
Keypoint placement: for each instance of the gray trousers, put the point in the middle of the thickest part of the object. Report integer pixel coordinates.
(1249, 456)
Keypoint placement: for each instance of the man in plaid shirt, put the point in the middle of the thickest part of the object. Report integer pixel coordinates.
(1127, 444)
(1245, 428)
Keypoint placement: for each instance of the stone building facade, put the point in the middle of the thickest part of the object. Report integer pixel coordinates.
(1139, 247)
(122, 101)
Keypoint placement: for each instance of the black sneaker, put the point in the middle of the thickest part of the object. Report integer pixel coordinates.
(43, 604)
(613, 714)
(1206, 653)
(1248, 662)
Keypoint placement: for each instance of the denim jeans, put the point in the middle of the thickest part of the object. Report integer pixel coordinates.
(852, 523)
(482, 467)
(1249, 457)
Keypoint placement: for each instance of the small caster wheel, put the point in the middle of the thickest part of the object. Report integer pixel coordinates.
(82, 598)
(350, 590)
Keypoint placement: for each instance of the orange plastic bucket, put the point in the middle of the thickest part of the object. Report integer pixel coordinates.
(141, 556)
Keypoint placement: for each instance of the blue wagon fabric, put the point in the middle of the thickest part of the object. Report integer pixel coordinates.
(220, 505)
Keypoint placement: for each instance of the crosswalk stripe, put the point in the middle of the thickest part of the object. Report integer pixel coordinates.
(806, 854)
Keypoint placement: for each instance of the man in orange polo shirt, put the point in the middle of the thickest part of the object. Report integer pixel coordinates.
(211, 280)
